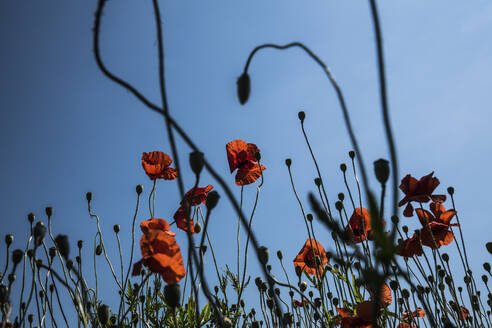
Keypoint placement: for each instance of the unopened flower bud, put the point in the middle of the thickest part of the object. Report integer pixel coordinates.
(196, 162)
(351, 154)
(280, 255)
(288, 162)
(243, 88)
(212, 200)
(139, 189)
(263, 254)
(339, 205)
(203, 249)
(61, 242)
(405, 293)
(30, 318)
(49, 211)
(52, 252)
(39, 233)
(445, 257)
(78, 259)
(116, 228)
(486, 266)
(103, 314)
(395, 219)
(4, 294)
(88, 196)
(405, 229)
(17, 255)
(269, 303)
(489, 247)
(172, 294)
(301, 116)
(30, 217)
(80, 243)
(9, 239)
(309, 217)
(198, 227)
(303, 286)
(341, 196)
(69, 264)
(99, 250)
(382, 171)
(298, 271)
(257, 156)
(343, 167)
(394, 284)
(451, 191)
(255, 324)
(335, 301)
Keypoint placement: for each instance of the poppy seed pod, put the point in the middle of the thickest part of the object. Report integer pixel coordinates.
(280, 255)
(196, 162)
(243, 88)
(288, 162)
(17, 255)
(39, 233)
(263, 254)
(30, 318)
(49, 211)
(451, 190)
(88, 196)
(212, 200)
(103, 314)
(339, 205)
(351, 154)
(30, 217)
(116, 228)
(381, 169)
(301, 116)
(139, 189)
(343, 167)
(309, 217)
(9, 239)
(172, 294)
(486, 266)
(61, 242)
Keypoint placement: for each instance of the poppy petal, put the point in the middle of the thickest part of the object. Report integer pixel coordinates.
(233, 149)
(246, 176)
(424, 216)
(408, 212)
(447, 216)
(169, 174)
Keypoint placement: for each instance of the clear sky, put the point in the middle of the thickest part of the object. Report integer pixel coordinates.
(65, 129)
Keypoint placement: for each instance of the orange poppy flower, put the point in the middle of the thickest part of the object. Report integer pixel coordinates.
(418, 313)
(160, 252)
(359, 225)
(438, 214)
(363, 318)
(419, 191)
(299, 304)
(241, 156)
(463, 312)
(199, 196)
(156, 165)
(411, 247)
(437, 223)
(385, 297)
(182, 220)
(306, 257)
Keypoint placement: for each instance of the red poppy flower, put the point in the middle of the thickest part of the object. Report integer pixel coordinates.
(411, 247)
(299, 304)
(156, 165)
(436, 223)
(306, 257)
(463, 312)
(241, 156)
(359, 225)
(418, 313)
(385, 298)
(160, 252)
(419, 191)
(363, 318)
(199, 196)
(182, 220)
(438, 214)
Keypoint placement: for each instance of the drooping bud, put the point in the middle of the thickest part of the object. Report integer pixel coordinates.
(341, 196)
(298, 271)
(243, 88)
(9, 239)
(52, 252)
(198, 227)
(39, 233)
(212, 200)
(301, 116)
(103, 314)
(263, 254)
(172, 294)
(88, 196)
(61, 242)
(486, 266)
(258, 156)
(196, 162)
(382, 171)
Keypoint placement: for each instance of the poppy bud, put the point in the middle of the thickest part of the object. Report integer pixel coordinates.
(486, 266)
(172, 294)
(41, 294)
(279, 255)
(17, 255)
(30, 217)
(80, 243)
(88, 196)
(309, 217)
(116, 228)
(52, 252)
(243, 88)
(485, 278)
(196, 162)
(298, 271)
(49, 211)
(303, 286)
(103, 314)
(288, 162)
(257, 156)
(288, 319)
(339, 205)
(216, 289)
(343, 167)
(381, 169)
(30, 253)
(39, 233)
(467, 279)
(335, 301)
(269, 303)
(405, 293)
(351, 154)
(99, 250)
(198, 227)
(263, 254)
(30, 318)
(301, 116)
(269, 267)
(317, 182)
(450, 190)
(395, 219)
(405, 229)
(394, 284)
(445, 257)
(341, 196)
(61, 242)
(489, 247)
(9, 239)
(212, 200)
(69, 264)
(139, 189)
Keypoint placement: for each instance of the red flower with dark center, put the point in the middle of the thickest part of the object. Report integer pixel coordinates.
(411, 247)
(359, 225)
(156, 165)
(418, 313)
(241, 156)
(199, 196)
(306, 258)
(160, 252)
(419, 191)
(182, 220)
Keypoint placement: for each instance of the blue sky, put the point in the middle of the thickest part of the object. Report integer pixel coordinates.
(65, 129)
